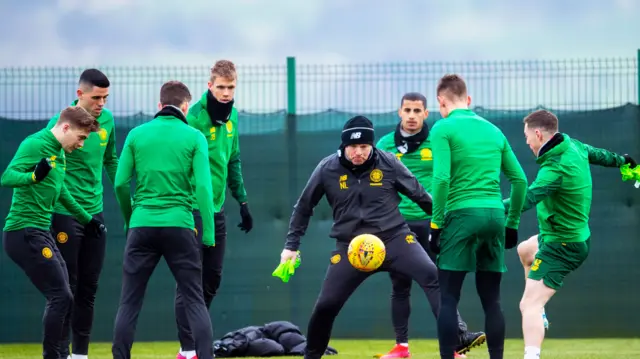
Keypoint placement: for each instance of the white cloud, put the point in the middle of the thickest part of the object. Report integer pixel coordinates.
(630, 6)
(316, 32)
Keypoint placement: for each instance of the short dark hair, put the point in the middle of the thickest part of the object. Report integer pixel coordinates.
(174, 93)
(414, 96)
(452, 86)
(78, 117)
(542, 119)
(225, 69)
(94, 77)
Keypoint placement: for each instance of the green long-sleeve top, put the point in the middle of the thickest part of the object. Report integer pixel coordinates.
(84, 165)
(469, 153)
(33, 202)
(164, 154)
(420, 163)
(223, 145)
(562, 191)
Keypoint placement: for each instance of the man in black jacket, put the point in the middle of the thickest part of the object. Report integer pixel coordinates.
(362, 186)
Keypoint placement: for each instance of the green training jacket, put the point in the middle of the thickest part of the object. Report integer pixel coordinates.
(224, 153)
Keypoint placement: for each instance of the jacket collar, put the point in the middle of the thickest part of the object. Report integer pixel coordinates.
(557, 145)
(171, 111)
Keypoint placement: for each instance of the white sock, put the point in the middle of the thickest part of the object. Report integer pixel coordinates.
(188, 354)
(531, 353)
(405, 344)
(78, 356)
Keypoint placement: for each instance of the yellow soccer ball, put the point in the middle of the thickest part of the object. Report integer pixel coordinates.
(366, 252)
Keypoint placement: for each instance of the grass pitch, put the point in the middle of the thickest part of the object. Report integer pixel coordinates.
(351, 349)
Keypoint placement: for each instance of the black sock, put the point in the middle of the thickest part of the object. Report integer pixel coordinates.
(488, 286)
(450, 287)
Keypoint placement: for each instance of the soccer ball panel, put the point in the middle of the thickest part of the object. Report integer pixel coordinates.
(366, 252)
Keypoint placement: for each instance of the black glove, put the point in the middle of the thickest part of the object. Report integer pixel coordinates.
(42, 169)
(510, 238)
(434, 241)
(96, 227)
(247, 221)
(627, 159)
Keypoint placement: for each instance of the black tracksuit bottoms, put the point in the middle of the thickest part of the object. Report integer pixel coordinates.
(181, 250)
(212, 261)
(404, 255)
(35, 252)
(401, 284)
(83, 252)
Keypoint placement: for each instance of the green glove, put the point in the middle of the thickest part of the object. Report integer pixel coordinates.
(287, 269)
(630, 174)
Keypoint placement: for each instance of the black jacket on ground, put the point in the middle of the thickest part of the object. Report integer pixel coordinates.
(364, 199)
(273, 339)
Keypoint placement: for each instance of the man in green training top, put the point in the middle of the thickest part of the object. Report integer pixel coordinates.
(409, 142)
(36, 173)
(82, 251)
(168, 158)
(561, 194)
(469, 154)
(216, 117)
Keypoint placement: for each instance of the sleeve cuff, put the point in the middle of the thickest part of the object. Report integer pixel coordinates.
(85, 218)
(241, 199)
(292, 246)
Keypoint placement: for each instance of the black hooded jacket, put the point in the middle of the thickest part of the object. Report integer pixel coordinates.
(364, 199)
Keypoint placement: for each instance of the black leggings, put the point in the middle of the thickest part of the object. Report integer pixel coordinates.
(401, 284)
(488, 288)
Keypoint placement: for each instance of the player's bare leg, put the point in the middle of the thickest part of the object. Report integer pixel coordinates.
(535, 297)
(527, 251)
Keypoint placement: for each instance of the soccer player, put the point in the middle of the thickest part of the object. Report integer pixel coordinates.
(216, 117)
(561, 193)
(36, 173)
(81, 250)
(409, 142)
(469, 153)
(527, 249)
(361, 184)
(164, 154)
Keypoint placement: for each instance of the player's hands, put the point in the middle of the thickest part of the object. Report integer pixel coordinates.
(96, 227)
(247, 221)
(42, 170)
(628, 160)
(434, 240)
(510, 238)
(288, 254)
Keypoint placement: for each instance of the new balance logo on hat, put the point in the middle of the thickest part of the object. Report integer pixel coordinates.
(358, 131)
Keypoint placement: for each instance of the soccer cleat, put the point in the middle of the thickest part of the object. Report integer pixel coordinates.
(401, 351)
(398, 351)
(545, 321)
(180, 356)
(470, 340)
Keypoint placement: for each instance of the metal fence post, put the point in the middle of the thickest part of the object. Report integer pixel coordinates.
(292, 169)
(638, 86)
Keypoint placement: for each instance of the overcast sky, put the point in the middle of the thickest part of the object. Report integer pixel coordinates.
(80, 32)
(197, 32)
